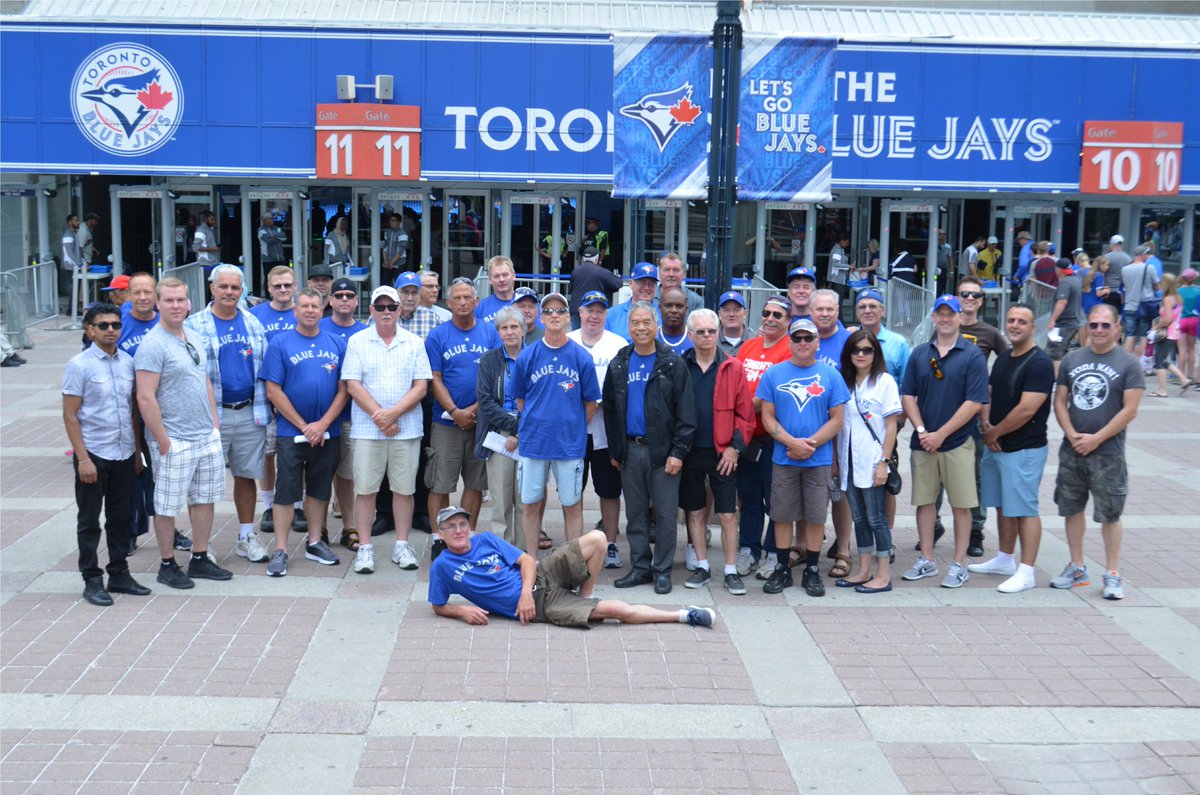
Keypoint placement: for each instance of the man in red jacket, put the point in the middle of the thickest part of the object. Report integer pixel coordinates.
(724, 425)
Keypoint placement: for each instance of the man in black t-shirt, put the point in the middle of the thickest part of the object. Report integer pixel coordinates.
(590, 275)
(1014, 432)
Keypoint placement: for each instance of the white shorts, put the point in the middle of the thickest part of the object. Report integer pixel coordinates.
(191, 473)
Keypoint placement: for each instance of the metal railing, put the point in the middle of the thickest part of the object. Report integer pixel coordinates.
(908, 309)
(1040, 296)
(191, 274)
(30, 295)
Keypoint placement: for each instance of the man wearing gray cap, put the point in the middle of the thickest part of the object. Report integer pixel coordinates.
(496, 577)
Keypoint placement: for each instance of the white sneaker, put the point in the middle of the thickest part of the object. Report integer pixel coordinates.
(1017, 583)
(746, 562)
(252, 549)
(402, 556)
(766, 566)
(689, 558)
(992, 567)
(364, 559)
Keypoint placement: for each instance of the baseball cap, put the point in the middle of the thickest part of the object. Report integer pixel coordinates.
(320, 270)
(950, 301)
(343, 285)
(803, 324)
(644, 270)
(408, 279)
(780, 301)
(993, 240)
(385, 292)
(1064, 264)
(732, 295)
(593, 297)
(1115, 239)
(118, 283)
(590, 252)
(1052, 247)
(869, 293)
(450, 512)
(801, 273)
(525, 292)
(553, 296)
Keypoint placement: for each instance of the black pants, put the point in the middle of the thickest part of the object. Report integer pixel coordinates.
(114, 490)
(142, 512)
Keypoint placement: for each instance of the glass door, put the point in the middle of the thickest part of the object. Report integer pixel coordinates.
(1098, 223)
(661, 230)
(1164, 225)
(465, 233)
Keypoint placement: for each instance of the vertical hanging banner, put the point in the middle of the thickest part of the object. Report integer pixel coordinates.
(662, 97)
(786, 119)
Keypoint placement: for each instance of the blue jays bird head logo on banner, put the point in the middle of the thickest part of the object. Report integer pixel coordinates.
(127, 99)
(665, 112)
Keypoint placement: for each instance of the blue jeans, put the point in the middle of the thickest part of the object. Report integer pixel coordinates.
(754, 490)
(871, 532)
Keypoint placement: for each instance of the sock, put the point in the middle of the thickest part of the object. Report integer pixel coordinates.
(201, 555)
(730, 569)
(1026, 571)
(1113, 573)
(244, 530)
(703, 564)
(167, 563)
(268, 499)
(298, 504)
(683, 614)
(1004, 559)
(812, 559)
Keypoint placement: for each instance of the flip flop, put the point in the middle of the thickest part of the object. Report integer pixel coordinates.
(1156, 394)
(544, 541)
(1183, 388)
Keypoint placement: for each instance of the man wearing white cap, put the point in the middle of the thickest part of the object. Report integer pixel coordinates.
(988, 264)
(387, 374)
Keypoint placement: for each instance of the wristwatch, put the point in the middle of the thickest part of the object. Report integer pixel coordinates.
(920, 429)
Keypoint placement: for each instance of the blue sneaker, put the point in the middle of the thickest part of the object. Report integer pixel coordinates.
(701, 616)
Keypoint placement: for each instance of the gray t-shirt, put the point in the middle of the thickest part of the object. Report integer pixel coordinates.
(183, 382)
(1138, 279)
(1072, 314)
(1117, 260)
(1098, 383)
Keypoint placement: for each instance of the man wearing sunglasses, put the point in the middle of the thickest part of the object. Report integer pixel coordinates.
(386, 373)
(944, 387)
(176, 400)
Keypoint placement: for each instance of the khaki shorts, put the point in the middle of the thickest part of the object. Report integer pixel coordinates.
(554, 597)
(395, 457)
(345, 467)
(954, 471)
(452, 451)
(799, 494)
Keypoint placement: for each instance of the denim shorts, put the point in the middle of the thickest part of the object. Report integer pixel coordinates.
(1135, 326)
(1009, 481)
(534, 473)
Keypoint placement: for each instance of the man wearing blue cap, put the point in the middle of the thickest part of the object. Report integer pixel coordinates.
(869, 310)
(801, 282)
(944, 387)
(643, 280)
(525, 301)
(731, 309)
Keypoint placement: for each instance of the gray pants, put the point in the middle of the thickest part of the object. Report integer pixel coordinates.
(643, 484)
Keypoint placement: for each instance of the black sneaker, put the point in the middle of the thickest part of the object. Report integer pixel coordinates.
(436, 548)
(267, 523)
(975, 547)
(173, 577)
(299, 522)
(383, 524)
(780, 578)
(734, 584)
(182, 542)
(811, 581)
(939, 530)
(204, 569)
(699, 579)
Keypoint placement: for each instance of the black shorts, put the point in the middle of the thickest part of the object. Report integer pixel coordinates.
(302, 469)
(701, 463)
(606, 479)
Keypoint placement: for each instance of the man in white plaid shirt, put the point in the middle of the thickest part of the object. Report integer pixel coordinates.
(235, 343)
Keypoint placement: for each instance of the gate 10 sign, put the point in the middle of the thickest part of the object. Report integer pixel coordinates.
(1131, 158)
(368, 142)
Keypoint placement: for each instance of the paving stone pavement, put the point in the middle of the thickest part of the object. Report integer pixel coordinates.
(327, 681)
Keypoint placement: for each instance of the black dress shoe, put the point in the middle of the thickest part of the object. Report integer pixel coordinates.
(633, 579)
(383, 524)
(94, 593)
(19, 359)
(422, 523)
(975, 548)
(11, 361)
(123, 582)
(939, 530)
(662, 583)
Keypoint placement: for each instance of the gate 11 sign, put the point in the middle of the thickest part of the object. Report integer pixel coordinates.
(368, 141)
(1131, 158)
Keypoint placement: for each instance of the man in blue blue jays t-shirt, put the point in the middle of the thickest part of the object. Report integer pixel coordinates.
(138, 314)
(503, 280)
(555, 385)
(277, 314)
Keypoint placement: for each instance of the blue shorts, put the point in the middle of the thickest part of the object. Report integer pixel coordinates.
(1010, 481)
(534, 473)
(1133, 325)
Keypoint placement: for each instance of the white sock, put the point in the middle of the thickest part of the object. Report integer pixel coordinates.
(703, 564)
(244, 530)
(683, 616)
(298, 504)
(268, 499)
(730, 569)
(1004, 559)
(1027, 571)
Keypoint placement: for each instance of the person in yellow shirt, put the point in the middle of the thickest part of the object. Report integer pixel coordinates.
(989, 260)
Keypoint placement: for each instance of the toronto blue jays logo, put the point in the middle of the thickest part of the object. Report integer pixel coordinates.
(127, 99)
(246, 352)
(330, 366)
(803, 390)
(567, 386)
(664, 113)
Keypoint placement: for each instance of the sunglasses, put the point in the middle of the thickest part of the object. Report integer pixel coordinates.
(863, 350)
(968, 294)
(776, 315)
(194, 353)
(803, 338)
(386, 307)
(937, 370)
(288, 286)
(345, 296)
(1095, 326)
(556, 310)
(461, 280)
(105, 325)
(705, 332)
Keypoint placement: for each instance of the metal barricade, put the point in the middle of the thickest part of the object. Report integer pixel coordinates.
(191, 274)
(908, 309)
(30, 295)
(1040, 296)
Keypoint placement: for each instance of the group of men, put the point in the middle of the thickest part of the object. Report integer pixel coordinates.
(667, 405)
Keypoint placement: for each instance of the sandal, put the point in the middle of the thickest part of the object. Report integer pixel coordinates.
(796, 557)
(349, 540)
(1156, 394)
(544, 541)
(841, 567)
(1183, 388)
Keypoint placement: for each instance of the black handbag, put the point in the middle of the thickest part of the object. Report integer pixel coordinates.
(894, 483)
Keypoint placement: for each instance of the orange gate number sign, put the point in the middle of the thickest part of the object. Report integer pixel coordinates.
(368, 142)
(1131, 158)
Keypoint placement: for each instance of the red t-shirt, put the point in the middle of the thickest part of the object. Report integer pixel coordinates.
(756, 359)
